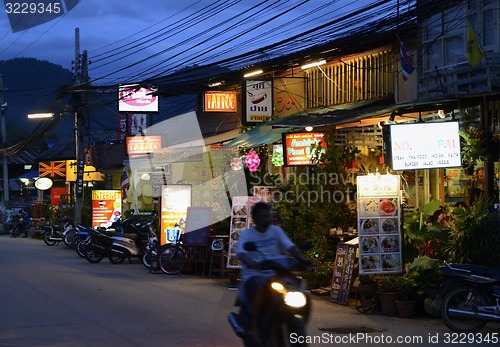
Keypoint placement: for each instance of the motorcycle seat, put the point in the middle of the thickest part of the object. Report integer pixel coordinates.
(479, 270)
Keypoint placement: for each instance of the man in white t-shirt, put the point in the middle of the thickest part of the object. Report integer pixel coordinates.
(271, 242)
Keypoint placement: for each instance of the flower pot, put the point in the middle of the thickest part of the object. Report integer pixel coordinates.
(404, 308)
(387, 303)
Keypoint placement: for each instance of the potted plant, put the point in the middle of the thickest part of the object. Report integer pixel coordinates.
(387, 292)
(406, 287)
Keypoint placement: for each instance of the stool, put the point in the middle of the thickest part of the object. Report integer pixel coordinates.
(217, 257)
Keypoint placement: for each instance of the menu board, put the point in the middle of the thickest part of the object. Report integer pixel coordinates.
(198, 222)
(379, 224)
(240, 219)
(342, 273)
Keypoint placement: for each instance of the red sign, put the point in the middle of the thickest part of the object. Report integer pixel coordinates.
(55, 195)
(220, 101)
(298, 147)
(143, 144)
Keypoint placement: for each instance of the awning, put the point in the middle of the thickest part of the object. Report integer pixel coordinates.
(30, 175)
(260, 135)
(356, 112)
(222, 137)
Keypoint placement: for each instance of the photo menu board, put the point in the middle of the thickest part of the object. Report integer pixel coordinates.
(240, 219)
(379, 213)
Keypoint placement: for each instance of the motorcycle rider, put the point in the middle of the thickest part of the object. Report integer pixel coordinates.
(271, 242)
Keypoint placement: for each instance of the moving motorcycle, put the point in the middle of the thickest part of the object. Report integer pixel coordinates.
(470, 296)
(287, 308)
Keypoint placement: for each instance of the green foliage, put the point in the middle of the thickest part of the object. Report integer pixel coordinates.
(476, 236)
(309, 208)
(474, 144)
(423, 234)
(403, 284)
(424, 271)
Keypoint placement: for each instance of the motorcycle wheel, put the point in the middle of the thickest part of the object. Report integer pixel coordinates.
(69, 238)
(116, 258)
(457, 298)
(47, 238)
(92, 255)
(80, 245)
(171, 259)
(149, 259)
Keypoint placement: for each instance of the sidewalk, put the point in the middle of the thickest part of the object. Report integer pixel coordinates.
(333, 324)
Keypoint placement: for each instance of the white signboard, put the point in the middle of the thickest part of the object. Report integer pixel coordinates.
(258, 101)
(425, 146)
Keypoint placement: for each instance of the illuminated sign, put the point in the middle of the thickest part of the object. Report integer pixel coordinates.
(298, 147)
(220, 102)
(134, 98)
(106, 207)
(143, 144)
(423, 145)
(258, 101)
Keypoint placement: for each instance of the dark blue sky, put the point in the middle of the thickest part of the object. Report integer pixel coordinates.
(129, 39)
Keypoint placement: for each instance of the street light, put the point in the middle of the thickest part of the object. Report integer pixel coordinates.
(40, 115)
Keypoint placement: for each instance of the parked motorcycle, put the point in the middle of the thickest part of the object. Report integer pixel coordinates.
(287, 308)
(98, 244)
(80, 239)
(131, 242)
(53, 234)
(470, 296)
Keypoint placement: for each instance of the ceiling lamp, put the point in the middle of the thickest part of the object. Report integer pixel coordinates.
(253, 73)
(309, 128)
(310, 65)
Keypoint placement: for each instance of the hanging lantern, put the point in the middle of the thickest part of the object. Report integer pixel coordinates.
(277, 159)
(252, 161)
(236, 163)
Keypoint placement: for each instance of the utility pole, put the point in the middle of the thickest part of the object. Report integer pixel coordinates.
(3, 107)
(80, 105)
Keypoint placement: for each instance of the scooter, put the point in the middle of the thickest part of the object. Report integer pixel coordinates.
(286, 311)
(98, 244)
(132, 242)
(470, 296)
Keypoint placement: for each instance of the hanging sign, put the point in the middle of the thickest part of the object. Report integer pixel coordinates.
(409, 150)
(258, 98)
(297, 147)
(220, 102)
(379, 213)
(134, 98)
(106, 207)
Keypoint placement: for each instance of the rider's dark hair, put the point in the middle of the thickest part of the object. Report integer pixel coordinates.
(260, 206)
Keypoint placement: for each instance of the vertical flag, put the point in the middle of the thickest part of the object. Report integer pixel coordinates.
(473, 51)
(406, 62)
(125, 182)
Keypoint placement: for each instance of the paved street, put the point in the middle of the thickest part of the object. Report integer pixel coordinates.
(51, 297)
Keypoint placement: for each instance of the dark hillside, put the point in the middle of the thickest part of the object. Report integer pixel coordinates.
(31, 86)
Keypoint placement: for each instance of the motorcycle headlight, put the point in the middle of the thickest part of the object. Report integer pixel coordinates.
(295, 299)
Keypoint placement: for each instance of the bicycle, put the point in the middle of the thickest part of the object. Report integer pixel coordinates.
(172, 257)
(366, 301)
